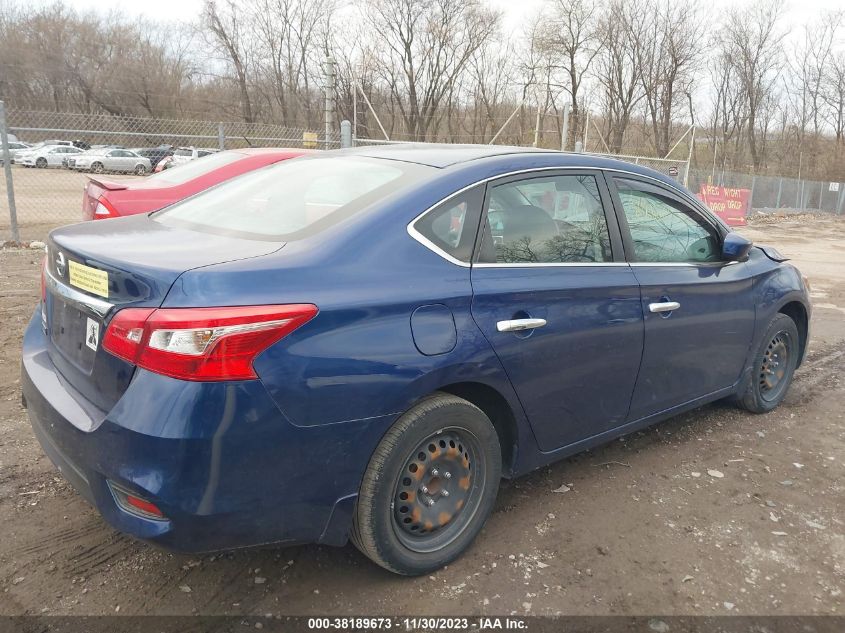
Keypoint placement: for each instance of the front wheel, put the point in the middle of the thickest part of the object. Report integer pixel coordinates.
(97, 168)
(773, 366)
(41, 163)
(429, 488)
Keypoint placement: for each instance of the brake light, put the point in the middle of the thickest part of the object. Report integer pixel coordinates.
(104, 211)
(202, 344)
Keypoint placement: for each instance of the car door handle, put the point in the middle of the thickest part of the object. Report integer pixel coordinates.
(518, 325)
(664, 306)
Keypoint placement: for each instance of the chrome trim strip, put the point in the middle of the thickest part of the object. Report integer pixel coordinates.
(550, 265)
(419, 237)
(78, 299)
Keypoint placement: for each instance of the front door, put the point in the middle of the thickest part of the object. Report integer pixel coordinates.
(555, 299)
(699, 312)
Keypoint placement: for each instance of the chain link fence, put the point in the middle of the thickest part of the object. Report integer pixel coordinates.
(772, 193)
(48, 189)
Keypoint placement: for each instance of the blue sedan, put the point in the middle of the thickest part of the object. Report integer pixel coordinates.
(361, 344)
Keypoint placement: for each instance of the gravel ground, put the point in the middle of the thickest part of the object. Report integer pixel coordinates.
(716, 512)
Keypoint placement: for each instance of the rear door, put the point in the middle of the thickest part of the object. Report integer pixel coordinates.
(558, 303)
(699, 312)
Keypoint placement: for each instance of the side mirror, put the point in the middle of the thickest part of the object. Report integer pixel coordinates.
(735, 247)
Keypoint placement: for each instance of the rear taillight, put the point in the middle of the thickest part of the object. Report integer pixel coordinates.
(201, 343)
(104, 211)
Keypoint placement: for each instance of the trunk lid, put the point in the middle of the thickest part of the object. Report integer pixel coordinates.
(95, 268)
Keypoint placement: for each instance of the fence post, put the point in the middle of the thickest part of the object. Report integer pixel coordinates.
(564, 131)
(7, 168)
(221, 137)
(345, 134)
(780, 189)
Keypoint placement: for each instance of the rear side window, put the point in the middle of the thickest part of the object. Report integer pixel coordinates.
(548, 220)
(663, 229)
(452, 226)
(292, 199)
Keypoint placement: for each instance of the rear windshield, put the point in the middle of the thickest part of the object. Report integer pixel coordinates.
(183, 152)
(193, 169)
(292, 199)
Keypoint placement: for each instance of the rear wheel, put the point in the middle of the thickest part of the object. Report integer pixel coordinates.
(773, 366)
(140, 170)
(429, 488)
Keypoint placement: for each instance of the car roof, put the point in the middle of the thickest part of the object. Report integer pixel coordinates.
(442, 156)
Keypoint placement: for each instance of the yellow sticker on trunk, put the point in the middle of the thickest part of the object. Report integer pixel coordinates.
(90, 279)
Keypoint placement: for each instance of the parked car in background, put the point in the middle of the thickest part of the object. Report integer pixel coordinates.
(103, 199)
(46, 156)
(111, 160)
(360, 344)
(155, 154)
(15, 148)
(183, 155)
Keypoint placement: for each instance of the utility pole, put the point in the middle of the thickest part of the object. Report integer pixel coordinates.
(564, 131)
(330, 99)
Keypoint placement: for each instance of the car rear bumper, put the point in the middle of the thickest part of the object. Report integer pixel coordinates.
(219, 459)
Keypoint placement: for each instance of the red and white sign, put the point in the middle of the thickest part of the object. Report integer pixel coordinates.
(732, 205)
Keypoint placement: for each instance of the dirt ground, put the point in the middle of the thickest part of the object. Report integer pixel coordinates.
(44, 198)
(715, 512)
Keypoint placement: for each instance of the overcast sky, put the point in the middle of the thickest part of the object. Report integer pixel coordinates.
(799, 11)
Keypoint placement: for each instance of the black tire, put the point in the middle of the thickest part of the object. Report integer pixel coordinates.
(140, 170)
(97, 168)
(439, 435)
(772, 366)
(41, 163)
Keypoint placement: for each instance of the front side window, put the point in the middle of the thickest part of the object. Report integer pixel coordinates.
(549, 220)
(663, 229)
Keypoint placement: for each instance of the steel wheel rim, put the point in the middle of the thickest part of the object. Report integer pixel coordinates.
(430, 508)
(774, 368)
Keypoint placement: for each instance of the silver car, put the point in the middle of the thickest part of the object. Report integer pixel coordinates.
(45, 156)
(106, 159)
(15, 148)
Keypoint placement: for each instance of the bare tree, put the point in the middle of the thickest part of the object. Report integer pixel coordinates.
(754, 41)
(570, 34)
(427, 45)
(619, 67)
(671, 53)
(226, 33)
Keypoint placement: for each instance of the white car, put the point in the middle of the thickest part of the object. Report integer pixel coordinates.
(15, 148)
(108, 159)
(186, 154)
(46, 156)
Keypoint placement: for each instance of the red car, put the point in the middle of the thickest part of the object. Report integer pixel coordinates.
(105, 199)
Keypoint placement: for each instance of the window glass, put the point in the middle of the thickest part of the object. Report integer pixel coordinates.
(664, 230)
(195, 168)
(183, 152)
(557, 219)
(452, 226)
(292, 199)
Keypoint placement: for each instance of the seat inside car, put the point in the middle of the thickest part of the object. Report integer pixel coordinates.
(527, 221)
